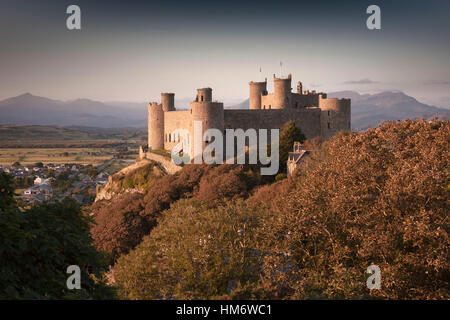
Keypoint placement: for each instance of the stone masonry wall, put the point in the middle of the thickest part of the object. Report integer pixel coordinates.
(307, 119)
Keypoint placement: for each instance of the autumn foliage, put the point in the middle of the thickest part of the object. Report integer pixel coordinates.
(122, 221)
(378, 197)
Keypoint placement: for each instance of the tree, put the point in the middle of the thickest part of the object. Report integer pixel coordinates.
(378, 197)
(38, 165)
(194, 253)
(37, 246)
(288, 135)
(6, 191)
(119, 225)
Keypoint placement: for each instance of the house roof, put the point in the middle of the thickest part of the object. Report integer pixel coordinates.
(296, 157)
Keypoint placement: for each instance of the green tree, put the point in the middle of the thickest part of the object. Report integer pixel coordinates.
(37, 246)
(194, 253)
(6, 191)
(38, 165)
(288, 135)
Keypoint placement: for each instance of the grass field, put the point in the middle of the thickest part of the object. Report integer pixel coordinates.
(28, 156)
(59, 145)
(15, 136)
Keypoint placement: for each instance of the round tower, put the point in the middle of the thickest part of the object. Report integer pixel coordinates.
(282, 91)
(211, 115)
(168, 101)
(257, 89)
(155, 126)
(334, 104)
(335, 115)
(204, 94)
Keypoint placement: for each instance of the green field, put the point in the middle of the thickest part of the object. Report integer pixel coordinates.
(56, 133)
(16, 136)
(29, 156)
(59, 145)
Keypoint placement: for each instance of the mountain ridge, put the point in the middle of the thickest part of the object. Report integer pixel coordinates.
(368, 110)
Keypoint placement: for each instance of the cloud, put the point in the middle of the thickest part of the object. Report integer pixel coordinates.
(362, 81)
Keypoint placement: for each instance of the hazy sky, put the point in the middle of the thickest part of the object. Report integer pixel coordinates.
(132, 50)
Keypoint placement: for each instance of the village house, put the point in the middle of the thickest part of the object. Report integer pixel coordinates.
(296, 157)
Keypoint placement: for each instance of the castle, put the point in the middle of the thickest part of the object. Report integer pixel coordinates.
(314, 113)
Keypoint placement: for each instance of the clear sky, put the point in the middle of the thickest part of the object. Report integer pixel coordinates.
(133, 50)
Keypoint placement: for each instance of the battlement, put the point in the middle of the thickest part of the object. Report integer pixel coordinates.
(204, 95)
(289, 77)
(154, 105)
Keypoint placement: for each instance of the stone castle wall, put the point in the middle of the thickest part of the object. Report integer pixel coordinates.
(308, 120)
(313, 113)
(175, 120)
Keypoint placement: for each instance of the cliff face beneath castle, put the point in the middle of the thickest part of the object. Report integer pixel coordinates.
(132, 179)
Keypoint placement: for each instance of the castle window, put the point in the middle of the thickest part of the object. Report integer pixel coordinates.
(328, 112)
(329, 126)
(270, 106)
(170, 136)
(202, 98)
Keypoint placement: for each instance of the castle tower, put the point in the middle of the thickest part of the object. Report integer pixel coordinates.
(282, 92)
(155, 126)
(299, 87)
(335, 115)
(168, 101)
(257, 89)
(211, 114)
(204, 95)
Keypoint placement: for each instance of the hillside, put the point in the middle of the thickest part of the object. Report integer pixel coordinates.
(377, 197)
(135, 178)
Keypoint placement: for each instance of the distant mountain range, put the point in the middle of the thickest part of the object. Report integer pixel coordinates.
(368, 110)
(28, 109)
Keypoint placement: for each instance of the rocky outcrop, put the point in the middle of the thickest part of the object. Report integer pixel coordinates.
(113, 187)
